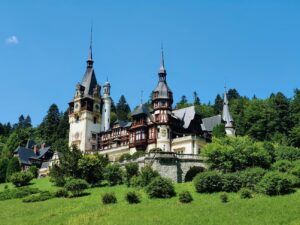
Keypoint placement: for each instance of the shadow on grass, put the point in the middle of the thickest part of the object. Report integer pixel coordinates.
(80, 195)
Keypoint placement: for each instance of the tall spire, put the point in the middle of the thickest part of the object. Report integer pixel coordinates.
(162, 69)
(90, 56)
(226, 114)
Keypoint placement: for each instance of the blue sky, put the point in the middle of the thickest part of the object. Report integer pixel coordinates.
(253, 46)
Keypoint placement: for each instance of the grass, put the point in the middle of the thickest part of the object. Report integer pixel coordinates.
(205, 209)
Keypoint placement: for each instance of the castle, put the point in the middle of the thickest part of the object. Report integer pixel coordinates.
(180, 131)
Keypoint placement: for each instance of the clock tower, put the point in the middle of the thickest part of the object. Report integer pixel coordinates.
(84, 110)
(162, 100)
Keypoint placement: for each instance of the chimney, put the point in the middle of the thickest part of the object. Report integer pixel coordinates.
(36, 150)
(43, 145)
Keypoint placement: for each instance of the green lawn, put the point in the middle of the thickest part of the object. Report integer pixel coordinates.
(205, 209)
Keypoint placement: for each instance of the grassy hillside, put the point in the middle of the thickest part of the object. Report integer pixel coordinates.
(205, 209)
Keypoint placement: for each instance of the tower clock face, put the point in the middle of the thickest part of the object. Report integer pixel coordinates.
(76, 106)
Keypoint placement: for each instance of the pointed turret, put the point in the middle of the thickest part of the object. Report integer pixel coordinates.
(162, 69)
(89, 60)
(227, 118)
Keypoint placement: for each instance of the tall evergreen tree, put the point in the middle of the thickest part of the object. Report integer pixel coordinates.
(3, 168)
(183, 103)
(49, 127)
(233, 94)
(218, 105)
(196, 98)
(123, 109)
(12, 167)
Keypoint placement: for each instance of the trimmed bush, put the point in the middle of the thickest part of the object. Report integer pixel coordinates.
(137, 155)
(147, 175)
(76, 186)
(21, 178)
(245, 193)
(131, 169)
(132, 198)
(161, 188)
(282, 166)
(224, 198)
(185, 197)
(17, 193)
(125, 157)
(57, 176)
(109, 198)
(42, 196)
(276, 183)
(231, 182)
(287, 152)
(113, 174)
(250, 177)
(61, 193)
(208, 182)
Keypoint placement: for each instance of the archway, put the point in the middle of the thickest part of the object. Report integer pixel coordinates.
(192, 172)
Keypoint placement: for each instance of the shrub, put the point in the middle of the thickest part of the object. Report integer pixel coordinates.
(282, 165)
(3, 167)
(17, 193)
(91, 168)
(185, 197)
(137, 155)
(275, 183)
(34, 170)
(231, 182)
(113, 174)
(251, 176)
(136, 181)
(57, 176)
(109, 198)
(125, 156)
(245, 193)
(76, 186)
(288, 153)
(21, 178)
(13, 166)
(131, 169)
(42, 196)
(208, 182)
(296, 171)
(61, 193)
(224, 198)
(132, 198)
(147, 175)
(161, 188)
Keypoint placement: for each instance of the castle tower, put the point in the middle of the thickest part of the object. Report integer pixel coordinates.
(229, 123)
(162, 100)
(106, 99)
(84, 110)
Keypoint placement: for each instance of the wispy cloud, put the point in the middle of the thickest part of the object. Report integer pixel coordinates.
(12, 40)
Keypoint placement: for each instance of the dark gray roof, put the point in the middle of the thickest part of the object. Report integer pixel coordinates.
(209, 123)
(163, 89)
(30, 144)
(141, 109)
(123, 123)
(89, 81)
(186, 115)
(25, 154)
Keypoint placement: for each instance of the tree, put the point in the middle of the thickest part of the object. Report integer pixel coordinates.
(183, 103)
(12, 167)
(91, 168)
(69, 162)
(27, 122)
(49, 127)
(131, 169)
(196, 98)
(76, 186)
(219, 131)
(63, 126)
(3, 167)
(113, 174)
(123, 109)
(218, 105)
(233, 94)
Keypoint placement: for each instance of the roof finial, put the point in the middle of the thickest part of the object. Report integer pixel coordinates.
(90, 56)
(162, 60)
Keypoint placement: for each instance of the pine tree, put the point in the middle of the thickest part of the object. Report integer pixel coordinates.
(218, 106)
(196, 98)
(49, 127)
(123, 109)
(3, 168)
